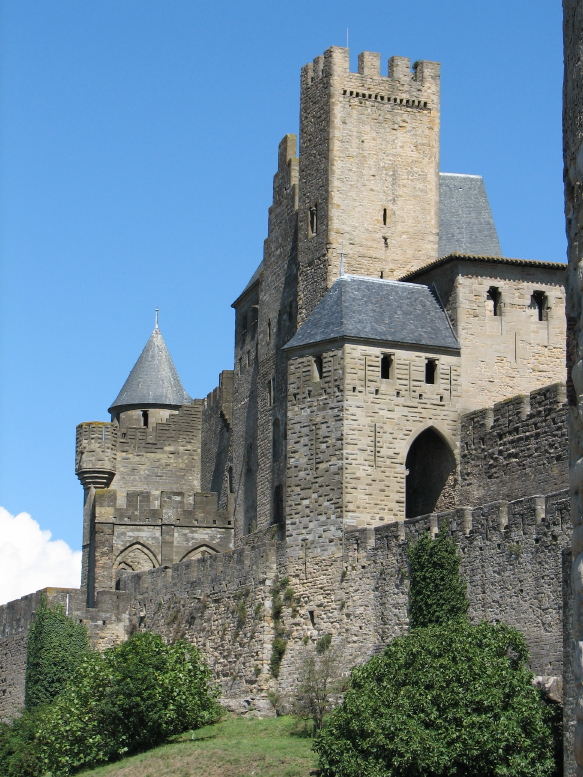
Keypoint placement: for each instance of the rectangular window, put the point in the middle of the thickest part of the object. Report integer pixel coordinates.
(494, 300)
(270, 391)
(317, 368)
(539, 301)
(387, 366)
(430, 371)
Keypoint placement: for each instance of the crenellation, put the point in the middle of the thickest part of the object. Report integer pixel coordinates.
(380, 389)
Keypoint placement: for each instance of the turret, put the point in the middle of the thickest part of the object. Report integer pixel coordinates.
(153, 389)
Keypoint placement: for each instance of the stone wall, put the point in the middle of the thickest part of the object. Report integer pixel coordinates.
(369, 169)
(518, 447)
(512, 352)
(573, 177)
(142, 529)
(512, 560)
(217, 426)
(163, 456)
(107, 624)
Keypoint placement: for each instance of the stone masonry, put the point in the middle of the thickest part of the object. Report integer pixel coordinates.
(378, 389)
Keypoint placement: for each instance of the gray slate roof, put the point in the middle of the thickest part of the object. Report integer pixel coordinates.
(360, 308)
(153, 380)
(466, 225)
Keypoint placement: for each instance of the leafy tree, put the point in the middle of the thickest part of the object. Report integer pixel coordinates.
(56, 645)
(437, 592)
(318, 681)
(449, 699)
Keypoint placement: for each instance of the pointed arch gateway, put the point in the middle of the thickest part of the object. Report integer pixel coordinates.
(431, 475)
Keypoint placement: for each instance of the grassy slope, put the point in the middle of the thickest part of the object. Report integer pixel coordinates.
(236, 747)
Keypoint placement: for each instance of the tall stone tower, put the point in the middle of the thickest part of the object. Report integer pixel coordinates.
(369, 170)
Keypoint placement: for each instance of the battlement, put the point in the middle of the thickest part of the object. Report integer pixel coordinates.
(160, 508)
(513, 410)
(251, 563)
(220, 399)
(96, 453)
(515, 448)
(541, 518)
(180, 428)
(335, 64)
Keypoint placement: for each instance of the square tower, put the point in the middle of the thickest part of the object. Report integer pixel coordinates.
(369, 170)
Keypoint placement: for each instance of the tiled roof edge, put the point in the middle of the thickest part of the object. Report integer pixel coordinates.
(477, 258)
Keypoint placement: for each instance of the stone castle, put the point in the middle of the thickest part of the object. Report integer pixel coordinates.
(392, 370)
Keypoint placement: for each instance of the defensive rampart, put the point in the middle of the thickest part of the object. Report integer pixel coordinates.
(516, 448)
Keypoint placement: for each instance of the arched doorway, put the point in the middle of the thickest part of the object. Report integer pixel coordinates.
(430, 479)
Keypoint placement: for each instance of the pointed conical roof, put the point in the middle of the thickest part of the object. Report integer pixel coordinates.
(153, 380)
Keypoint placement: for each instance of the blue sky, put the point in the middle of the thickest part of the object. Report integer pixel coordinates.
(138, 144)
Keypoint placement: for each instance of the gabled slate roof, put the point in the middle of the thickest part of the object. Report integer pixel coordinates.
(358, 308)
(466, 225)
(153, 381)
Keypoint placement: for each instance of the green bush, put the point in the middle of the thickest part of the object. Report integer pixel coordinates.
(437, 591)
(56, 645)
(134, 697)
(450, 699)
(157, 691)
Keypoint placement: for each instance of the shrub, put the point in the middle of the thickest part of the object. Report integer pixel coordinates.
(318, 681)
(449, 699)
(56, 645)
(437, 591)
(134, 697)
(157, 691)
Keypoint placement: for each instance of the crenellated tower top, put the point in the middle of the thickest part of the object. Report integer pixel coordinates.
(369, 169)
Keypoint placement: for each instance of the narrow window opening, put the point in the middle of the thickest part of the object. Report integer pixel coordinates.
(314, 219)
(278, 505)
(387, 364)
(244, 324)
(382, 274)
(144, 417)
(430, 370)
(312, 618)
(495, 298)
(290, 312)
(539, 300)
(270, 392)
(118, 584)
(317, 368)
(384, 217)
(231, 484)
(269, 330)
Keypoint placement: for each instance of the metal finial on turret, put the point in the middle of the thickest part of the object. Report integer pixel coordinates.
(156, 327)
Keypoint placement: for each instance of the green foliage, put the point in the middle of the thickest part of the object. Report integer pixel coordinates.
(56, 646)
(323, 644)
(134, 697)
(319, 679)
(449, 699)
(241, 613)
(437, 592)
(279, 644)
(278, 647)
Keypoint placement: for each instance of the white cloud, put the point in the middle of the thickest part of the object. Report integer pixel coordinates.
(30, 559)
